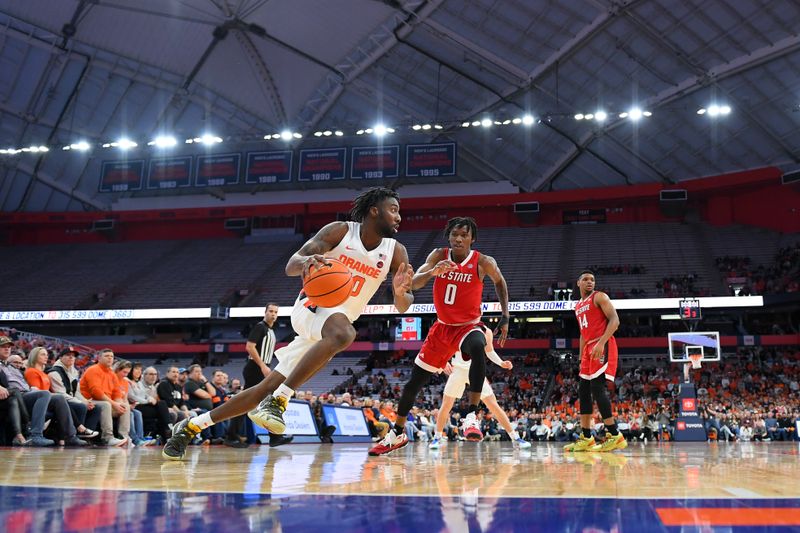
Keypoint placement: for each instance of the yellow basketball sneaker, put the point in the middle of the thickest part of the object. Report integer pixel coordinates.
(581, 445)
(612, 442)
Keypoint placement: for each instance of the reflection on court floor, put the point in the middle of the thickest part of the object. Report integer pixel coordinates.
(462, 487)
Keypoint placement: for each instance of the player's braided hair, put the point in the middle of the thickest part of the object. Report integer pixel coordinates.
(459, 222)
(368, 199)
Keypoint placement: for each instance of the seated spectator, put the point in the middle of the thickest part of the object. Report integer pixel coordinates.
(34, 402)
(171, 392)
(122, 370)
(99, 384)
(143, 392)
(200, 392)
(11, 405)
(37, 378)
(64, 380)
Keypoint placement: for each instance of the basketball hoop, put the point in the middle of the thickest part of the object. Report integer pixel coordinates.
(696, 359)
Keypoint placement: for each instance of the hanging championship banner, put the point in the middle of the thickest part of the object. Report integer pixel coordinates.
(170, 173)
(375, 162)
(121, 176)
(322, 165)
(269, 167)
(431, 160)
(217, 170)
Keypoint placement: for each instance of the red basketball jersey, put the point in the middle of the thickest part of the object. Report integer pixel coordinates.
(591, 318)
(457, 294)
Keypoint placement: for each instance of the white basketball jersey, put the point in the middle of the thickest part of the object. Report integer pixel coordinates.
(458, 362)
(369, 268)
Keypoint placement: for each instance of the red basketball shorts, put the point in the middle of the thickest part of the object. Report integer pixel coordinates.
(607, 364)
(441, 343)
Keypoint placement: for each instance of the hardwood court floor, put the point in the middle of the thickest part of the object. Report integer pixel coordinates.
(463, 486)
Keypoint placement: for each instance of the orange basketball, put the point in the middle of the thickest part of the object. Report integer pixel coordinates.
(329, 285)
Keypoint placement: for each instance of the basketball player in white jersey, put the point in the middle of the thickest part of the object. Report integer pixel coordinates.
(458, 369)
(369, 250)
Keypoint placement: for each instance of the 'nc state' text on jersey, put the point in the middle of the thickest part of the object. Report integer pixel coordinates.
(457, 276)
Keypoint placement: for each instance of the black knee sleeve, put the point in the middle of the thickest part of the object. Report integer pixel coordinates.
(585, 396)
(601, 396)
(419, 378)
(473, 348)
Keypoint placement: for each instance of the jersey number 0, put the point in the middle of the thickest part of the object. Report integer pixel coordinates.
(450, 294)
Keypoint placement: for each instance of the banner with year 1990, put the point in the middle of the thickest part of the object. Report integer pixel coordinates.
(322, 164)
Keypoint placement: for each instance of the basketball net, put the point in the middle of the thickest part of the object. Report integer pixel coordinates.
(696, 359)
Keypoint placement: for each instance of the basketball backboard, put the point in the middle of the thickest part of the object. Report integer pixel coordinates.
(682, 344)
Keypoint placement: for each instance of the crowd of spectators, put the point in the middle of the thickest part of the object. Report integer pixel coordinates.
(782, 276)
(46, 399)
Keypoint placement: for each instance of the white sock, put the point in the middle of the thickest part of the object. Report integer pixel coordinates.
(202, 421)
(514, 435)
(437, 435)
(283, 392)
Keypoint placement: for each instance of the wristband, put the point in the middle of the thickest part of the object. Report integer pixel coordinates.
(504, 320)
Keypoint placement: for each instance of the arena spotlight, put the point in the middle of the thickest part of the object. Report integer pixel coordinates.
(635, 114)
(465, 124)
(517, 120)
(426, 127)
(80, 145)
(416, 127)
(437, 126)
(506, 122)
(579, 116)
(124, 144)
(297, 135)
(589, 116)
(701, 111)
(338, 133)
(527, 120)
(600, 116)
(360, 132)
(286, 135)
(713, 110)
(476, 122)
(724, 110)
(380, 130)
(486, 123)
(647, 113)
(317, 134)
(163, 142)
(327, 133)
(208, 139)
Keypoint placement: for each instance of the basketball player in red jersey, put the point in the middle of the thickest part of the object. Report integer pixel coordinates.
(457, 289)
(598, 321)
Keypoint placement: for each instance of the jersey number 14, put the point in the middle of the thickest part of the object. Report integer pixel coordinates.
(583, 322)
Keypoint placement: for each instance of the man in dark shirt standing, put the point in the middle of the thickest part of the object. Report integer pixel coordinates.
(260, 348)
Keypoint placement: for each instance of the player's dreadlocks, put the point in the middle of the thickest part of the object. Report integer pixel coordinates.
(368, 199)
(460, 222)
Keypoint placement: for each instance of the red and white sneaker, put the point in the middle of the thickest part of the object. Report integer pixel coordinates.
(472, 428)
(390, 443)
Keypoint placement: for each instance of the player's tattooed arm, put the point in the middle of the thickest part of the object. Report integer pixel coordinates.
(311, 253)
(402, 279)
(488, 266)
(436, 264)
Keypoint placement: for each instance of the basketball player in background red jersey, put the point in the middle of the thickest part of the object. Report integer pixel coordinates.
(598, 321)
(457, 289)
